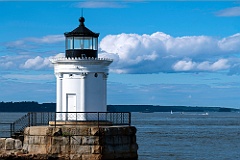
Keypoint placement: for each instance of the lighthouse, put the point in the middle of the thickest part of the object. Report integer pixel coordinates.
(80, 128)
(81, 77)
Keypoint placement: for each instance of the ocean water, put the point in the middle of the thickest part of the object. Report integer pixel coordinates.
(5, 119)
(188, 136)
(9, 117)
(182, 136)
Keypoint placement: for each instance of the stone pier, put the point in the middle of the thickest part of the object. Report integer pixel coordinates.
(79, 142)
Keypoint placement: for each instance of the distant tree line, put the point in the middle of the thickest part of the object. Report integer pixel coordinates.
(27, 106)
(32, 106)
(157, 108)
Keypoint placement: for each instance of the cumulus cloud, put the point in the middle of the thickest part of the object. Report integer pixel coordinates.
(184, 65)
(159, 52)
(229, 12)
(230, 43)
(30, 52)
(134, 53)
(26, 62)
(36, 63)
(189, 65)
(39, 62)
(11, 62)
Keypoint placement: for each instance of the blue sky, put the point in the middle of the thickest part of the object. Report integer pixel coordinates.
(165, 53)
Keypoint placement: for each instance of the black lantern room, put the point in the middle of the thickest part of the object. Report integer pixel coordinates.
(81, 42)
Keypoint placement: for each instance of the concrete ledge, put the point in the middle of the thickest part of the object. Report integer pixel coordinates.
(82, 123)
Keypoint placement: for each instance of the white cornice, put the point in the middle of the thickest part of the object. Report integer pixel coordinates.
(83, 61)
(80, 65)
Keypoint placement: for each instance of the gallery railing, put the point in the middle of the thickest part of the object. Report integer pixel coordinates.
(43, 118)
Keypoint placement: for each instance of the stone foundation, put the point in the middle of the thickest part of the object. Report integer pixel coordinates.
(10, 145)
(80, 142)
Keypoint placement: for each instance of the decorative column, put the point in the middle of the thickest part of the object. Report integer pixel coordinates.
(83, 116)
(105, 76)
(59, 97)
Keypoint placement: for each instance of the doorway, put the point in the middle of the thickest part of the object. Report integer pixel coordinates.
(71, 106)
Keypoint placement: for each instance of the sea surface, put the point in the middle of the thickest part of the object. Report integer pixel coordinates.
(188, 136)
(182, 136)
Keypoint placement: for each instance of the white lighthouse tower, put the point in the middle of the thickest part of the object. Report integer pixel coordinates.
(81, 75)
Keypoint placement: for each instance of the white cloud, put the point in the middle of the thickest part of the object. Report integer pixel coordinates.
(229, 12)
(189, 65)
(231, 43)
(36, 63)
(132, 48)
(6, 65)
(30, 52)
(221, 64)
(47, 39)
(159, 52)
(31, 42)
(184, 65)
(11, 62)
(190, 45)
(39, 62)
(134, 53)
(100, 4)
(58, 55)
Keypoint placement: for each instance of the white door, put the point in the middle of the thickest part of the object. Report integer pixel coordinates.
(71, 106)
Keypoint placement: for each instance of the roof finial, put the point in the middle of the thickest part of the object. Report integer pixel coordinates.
(81, 19)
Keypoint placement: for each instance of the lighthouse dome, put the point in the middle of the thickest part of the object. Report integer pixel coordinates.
(81, 42)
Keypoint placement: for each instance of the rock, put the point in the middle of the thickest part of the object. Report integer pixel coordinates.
(18, 144)
(2, 143)
(9, 144)
(90, 140)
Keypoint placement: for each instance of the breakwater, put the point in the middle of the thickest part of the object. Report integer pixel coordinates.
(75, 142)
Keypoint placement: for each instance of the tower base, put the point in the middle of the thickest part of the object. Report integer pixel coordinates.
(82, 142)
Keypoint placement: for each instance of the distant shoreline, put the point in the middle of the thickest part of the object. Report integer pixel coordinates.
(32, 106)
(158, 108)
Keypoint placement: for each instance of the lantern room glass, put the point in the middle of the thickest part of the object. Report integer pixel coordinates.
(69, 43)
(81, 43)
(78, 44)
(95, 43)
